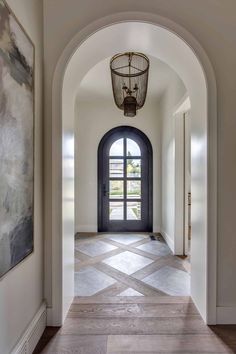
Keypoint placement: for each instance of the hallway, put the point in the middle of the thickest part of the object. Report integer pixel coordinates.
(64, 89)
(131, 297)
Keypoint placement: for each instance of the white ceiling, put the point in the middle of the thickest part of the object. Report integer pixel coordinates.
(96, 84)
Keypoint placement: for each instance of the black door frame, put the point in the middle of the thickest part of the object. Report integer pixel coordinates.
(111, 136)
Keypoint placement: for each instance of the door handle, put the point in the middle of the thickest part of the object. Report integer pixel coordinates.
(105, 191)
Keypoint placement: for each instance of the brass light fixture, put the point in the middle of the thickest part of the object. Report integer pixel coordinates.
(129, 75)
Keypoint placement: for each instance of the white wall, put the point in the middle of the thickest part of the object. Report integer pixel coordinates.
(168, 103)
(92, 120)
(21, 290)
(68, 204)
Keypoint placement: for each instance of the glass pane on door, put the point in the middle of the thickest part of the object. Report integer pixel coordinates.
(132, 148)
(116, 168)
(133, 168)
(133, 189)
(116, 190)
(133, 210)
(116, 211)
(117, 148)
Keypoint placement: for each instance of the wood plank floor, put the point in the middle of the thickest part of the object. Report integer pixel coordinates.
(136, 325)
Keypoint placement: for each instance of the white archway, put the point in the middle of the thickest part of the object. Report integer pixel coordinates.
(167, 38)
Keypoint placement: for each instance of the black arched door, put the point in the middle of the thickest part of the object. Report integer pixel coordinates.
(125, 181)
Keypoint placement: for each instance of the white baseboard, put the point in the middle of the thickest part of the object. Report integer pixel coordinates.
(52, 319)
(156, 229)
(32, 334)
(226, 315)
(168, 240)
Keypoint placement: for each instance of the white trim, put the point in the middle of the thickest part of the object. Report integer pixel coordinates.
(181, 198)
(226, 315)
(32, 334)
(183, 105)
(179, 184)
(55, 229)
(53, 321)
(187, 188)
(156, 229)
(169, 240)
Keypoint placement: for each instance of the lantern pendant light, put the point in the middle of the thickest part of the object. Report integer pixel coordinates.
(129, 75)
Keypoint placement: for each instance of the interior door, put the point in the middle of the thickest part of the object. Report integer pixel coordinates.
(125, 181)
(187, 180)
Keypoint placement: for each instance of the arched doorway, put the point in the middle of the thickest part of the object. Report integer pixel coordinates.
(169, 42)
(125, 181)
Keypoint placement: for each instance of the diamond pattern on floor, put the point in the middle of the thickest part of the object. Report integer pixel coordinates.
(170, 280)
(128, 262)
(126, 239)
(155, 247)
(127, 265)
(89, 281)
(130, 292)
(94, 249)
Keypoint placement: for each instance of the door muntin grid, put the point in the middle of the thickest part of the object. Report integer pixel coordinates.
(125, 156)
(125, 180)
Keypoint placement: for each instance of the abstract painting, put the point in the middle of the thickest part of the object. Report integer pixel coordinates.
(16, 141)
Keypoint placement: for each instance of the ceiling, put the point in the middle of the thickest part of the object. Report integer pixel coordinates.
(96, 84)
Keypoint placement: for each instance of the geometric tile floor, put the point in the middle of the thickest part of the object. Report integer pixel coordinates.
(89, 280)
(172, 281)
(128, 264)
(156, 248)
(130, 292)
(125, 238)
(93, 250)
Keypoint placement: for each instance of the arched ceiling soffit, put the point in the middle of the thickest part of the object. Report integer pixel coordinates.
(152, 40)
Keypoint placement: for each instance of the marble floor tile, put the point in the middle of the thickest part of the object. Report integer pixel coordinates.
(95, 248)
(155, 247)
(130, 292)
(89, 281)
(128, 262)
(125, 239)
(170, 280)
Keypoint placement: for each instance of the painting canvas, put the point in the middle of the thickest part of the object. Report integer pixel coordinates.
(16, 141)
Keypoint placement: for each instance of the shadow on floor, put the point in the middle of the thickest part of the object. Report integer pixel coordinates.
(48, 335)
(227, 333)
